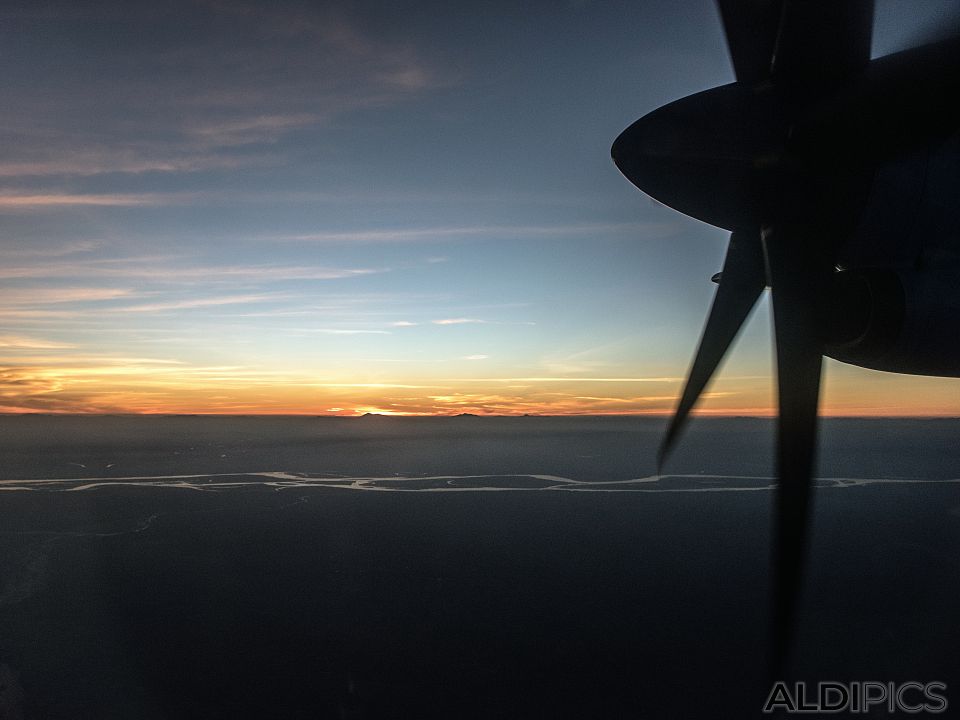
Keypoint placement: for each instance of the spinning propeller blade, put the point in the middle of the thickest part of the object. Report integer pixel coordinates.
(730, 157)
(798, 278)
(741, 281)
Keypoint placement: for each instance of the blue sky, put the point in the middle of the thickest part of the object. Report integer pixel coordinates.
(350, 207)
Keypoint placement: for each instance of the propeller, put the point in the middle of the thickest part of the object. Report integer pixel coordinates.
(741, 281)
(943, 26)
(798, 278)
(734, 157)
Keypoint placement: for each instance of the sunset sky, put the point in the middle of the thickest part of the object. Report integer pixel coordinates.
(349, 207)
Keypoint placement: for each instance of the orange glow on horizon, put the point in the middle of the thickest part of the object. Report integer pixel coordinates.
(142, 386)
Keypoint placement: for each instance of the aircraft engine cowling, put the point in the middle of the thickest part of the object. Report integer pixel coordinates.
(904, 321)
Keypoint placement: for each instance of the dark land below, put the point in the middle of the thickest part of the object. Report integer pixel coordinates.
(469, 567)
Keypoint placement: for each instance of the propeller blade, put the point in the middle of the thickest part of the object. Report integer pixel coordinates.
(820, 42)
(797, 276)
(740, 283)
(805, 41)
(944, 26)
(751, 29)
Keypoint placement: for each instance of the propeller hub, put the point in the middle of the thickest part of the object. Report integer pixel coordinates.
(713, 155)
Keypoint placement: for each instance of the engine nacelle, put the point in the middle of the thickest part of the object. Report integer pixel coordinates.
(895, 320)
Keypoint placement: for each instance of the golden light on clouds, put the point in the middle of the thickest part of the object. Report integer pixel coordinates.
(89, 383)
(23, 201)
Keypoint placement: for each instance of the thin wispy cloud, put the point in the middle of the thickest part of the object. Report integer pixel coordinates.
(374, 385)
(89, 161)
(192, 303)
(20, 342)
(159, 269)
(57, 295)
(249, 130)
(79, 361)
(574, 380)
(69, 248)
(271, 273)
(21, 316)
(99, 268)
(460, 321)
(34, 201)
(627, 400)
(477, 321)
(433, 234)
(591, 360)
(339, 331)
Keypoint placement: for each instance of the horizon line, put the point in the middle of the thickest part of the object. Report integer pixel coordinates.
(708, 415)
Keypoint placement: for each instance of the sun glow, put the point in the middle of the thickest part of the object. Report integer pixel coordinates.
(78, 383)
